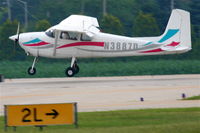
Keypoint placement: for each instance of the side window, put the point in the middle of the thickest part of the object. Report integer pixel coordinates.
(85, 37)
(64, 35)
(73, 35)
(69, 35)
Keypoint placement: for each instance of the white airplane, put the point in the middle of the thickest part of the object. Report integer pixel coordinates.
(79, 36)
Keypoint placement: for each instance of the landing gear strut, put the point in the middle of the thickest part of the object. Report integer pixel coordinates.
(73, 69)
(32, 69)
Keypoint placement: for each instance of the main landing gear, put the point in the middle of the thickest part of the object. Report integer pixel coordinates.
(32, 69)
(73, 69)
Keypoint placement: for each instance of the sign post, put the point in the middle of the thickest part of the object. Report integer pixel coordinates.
(41, 115)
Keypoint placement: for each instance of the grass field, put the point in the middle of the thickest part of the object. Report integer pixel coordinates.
(183, 120)
(193, 98)
(100, 67)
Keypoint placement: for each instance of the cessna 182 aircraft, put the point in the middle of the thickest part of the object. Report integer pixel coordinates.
(79, 36)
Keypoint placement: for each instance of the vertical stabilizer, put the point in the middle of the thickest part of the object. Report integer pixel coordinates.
(178, 30)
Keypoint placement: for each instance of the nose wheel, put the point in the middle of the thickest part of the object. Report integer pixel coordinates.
(73, 69)
(32, 69)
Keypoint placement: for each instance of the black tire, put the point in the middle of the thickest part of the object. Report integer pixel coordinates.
(76, 69)
(70, 72)
(31, 72)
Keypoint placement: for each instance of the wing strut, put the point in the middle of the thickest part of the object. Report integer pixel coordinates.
(57, 33)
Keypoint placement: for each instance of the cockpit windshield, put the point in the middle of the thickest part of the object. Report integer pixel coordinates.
(50, 33)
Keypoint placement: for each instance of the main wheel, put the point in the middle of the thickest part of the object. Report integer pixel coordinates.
(70, 72)
(31, 71)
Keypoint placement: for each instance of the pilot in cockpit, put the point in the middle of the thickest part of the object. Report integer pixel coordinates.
(64, 35)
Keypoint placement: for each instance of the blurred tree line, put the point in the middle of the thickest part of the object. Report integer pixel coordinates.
(124, 17)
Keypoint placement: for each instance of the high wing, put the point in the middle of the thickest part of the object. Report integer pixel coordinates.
(80, 24)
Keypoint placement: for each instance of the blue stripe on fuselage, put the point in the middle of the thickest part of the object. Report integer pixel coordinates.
(170, 33)
(37, 40)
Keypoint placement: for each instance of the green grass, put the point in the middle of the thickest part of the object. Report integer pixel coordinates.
(182, 120)
(193, 98)
(100, 67)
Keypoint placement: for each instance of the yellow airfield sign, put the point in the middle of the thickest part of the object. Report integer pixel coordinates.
(41, 114)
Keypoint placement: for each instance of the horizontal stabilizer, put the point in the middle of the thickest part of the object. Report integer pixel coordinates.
(171, 49)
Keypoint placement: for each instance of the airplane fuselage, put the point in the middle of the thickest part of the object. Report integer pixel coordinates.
(102, 45)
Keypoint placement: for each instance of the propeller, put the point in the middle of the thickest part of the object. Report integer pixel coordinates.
(17, 39)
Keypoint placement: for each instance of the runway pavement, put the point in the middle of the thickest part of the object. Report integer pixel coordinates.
(104, 93)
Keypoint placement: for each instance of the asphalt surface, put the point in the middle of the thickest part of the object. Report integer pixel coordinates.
(104, 93)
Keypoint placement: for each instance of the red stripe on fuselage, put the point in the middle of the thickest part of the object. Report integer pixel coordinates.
(173, 44)
(99, 44)
(152, 51)
(37, 44)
